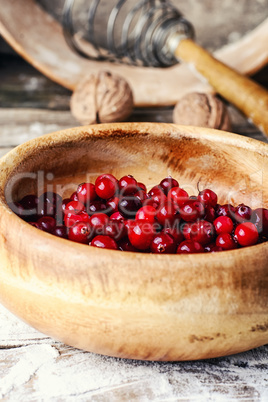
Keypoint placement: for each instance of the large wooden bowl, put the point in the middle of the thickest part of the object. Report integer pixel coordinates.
(134, 305)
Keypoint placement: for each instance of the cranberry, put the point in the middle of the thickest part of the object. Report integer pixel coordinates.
(49, 203)
(163, 243)
(210, 214)
(189, 246)
(178, 196)
(226, 241)
(223, 224)
(107, 176)
(175, 232)
(86, 193)
(64, 203)
(74, 207)
(208, 197)
(29, 205)
(115, 229)
(225, 210)
(125, 245)
(246, 234)
(74, 196)
(104, 242)
(117, 216)
(166, 214)
(168, 183)
(212, 248)
(186, 230)
(146, 213)
(70, 219)
(260, 219)
(152, 203)
(157, 194)
(242, 213)
(141, 234)
(128, 185)
(142, 187)
(106, 188)
(61, 231)
(112, 205)
(47, 223)
(80, 232)
(96, 207)
(141, 195)
(128, 206)
(36, 225)
(202, 231)
(192, 210)
(98, 222)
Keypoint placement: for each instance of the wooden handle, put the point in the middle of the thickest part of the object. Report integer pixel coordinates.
(239, 90)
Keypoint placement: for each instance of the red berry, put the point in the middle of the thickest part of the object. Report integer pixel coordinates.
(112, 205)
(163, 243)
(202, 231)
(189, 246)
(70, 219)
(210, 214)
(61, 231)
(226, 242)
(166, 214)
(98, 222)
(107, 176)
(260, 219)
(142, 187)
(246, 234)
(208, 197)
(128, 206)
(117, 216)
(141, 234)
(86, 193)
(104, 242)
(146, 213)
(212, 248)
(168, 183)
(175, 232)
(125, 245)
(96, 207)
(141, 195)
(128, 185)
(74, 197)
(223, 224)
(178, 196)
(47, 223)
(74, 207)
(115, 229)
(106, 188)
(242, 213)
(192, 210)
(80, 232)
(157, 195)
(225, 210)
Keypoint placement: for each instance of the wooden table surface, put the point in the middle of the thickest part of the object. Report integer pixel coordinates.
(35, 367)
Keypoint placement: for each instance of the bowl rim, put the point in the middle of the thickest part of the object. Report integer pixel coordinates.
(55, 138)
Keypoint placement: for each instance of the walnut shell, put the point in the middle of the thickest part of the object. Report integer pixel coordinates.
(204, 110)
(102, 98)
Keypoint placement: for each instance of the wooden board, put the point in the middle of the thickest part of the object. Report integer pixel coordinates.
(39, 39)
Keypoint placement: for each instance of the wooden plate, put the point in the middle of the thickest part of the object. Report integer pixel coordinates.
(38, 37)
(136, 305)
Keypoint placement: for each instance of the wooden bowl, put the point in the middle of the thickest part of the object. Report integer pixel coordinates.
(134, 305)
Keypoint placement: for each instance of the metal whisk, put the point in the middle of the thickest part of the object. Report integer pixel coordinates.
(154, 33)
(124, 30)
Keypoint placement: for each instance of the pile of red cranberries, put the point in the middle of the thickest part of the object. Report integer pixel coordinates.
(122, 215)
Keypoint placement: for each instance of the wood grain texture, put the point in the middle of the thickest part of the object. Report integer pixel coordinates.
(147, 307)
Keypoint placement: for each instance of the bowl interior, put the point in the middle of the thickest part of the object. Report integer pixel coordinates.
(233, 166)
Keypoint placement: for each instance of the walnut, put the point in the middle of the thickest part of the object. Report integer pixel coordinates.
(102, 98)
(204, 110)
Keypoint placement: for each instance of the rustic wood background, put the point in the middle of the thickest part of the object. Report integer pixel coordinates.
(35, 367)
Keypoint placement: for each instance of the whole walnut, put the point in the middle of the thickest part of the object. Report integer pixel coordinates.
(102, 98)
(204, 110)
